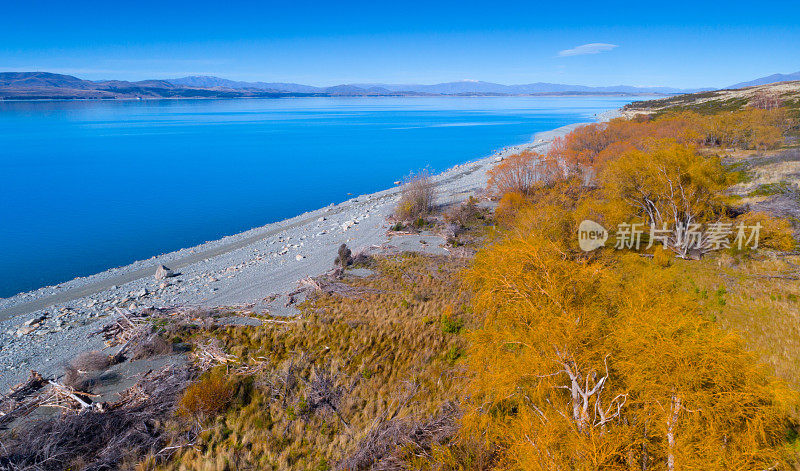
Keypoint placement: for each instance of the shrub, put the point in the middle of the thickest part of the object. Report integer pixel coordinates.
(344, 258)
(510, 204)
(152, 346)
(450, 323)
(75, 380)
(362, 260)
(464, 214)
(520, 173)
(85, 371)
(417, 197)
(91, 361)
(206, 398)
(775, 233)
(453, 354)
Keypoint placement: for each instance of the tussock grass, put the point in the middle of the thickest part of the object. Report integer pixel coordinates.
(324, 387)
(758, 297)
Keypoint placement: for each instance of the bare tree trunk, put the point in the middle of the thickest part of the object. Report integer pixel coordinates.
(645, 456)
(671, 424)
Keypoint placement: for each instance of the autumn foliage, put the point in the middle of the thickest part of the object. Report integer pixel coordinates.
(521, 173)
(608, 364)
(659, 172)
(588, 148)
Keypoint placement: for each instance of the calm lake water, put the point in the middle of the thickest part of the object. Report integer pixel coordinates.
(86, 186)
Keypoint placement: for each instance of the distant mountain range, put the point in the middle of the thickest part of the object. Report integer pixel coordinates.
(768, 79)
(45, 85)
(464, 87)
(204, 81)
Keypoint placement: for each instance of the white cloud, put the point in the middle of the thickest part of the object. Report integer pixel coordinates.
(592, 48)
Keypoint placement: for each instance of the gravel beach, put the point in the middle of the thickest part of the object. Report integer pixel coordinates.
(44, 329)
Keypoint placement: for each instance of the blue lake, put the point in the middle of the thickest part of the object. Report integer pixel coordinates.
(86, 186)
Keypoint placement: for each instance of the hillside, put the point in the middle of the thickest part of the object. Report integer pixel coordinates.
(785, 94)
(44, 85)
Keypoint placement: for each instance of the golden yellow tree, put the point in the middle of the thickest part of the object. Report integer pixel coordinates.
(671, 187)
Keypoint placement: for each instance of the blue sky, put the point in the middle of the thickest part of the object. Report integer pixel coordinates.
(675, 43)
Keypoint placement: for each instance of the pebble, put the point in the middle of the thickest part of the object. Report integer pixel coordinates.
(26, 329)
(35, 320)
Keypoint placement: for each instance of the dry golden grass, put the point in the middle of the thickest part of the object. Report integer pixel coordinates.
(757, 297)
(320, 385)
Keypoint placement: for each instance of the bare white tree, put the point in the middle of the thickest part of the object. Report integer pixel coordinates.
(586, 394)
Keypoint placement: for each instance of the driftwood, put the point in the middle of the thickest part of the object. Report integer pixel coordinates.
(101, 438)
(38, 391)
(34, 382)
(325, 286)
(153, 382)
(67, 398)
(278, 321)
(211, 353)
(21, 399)
(127, 328)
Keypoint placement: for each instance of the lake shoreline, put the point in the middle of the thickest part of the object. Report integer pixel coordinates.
(119, 182)
(254, 269)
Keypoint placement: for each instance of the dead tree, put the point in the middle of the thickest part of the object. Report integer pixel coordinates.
(586, 394)
(676, 203)
(324, 394)
(765, 100)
